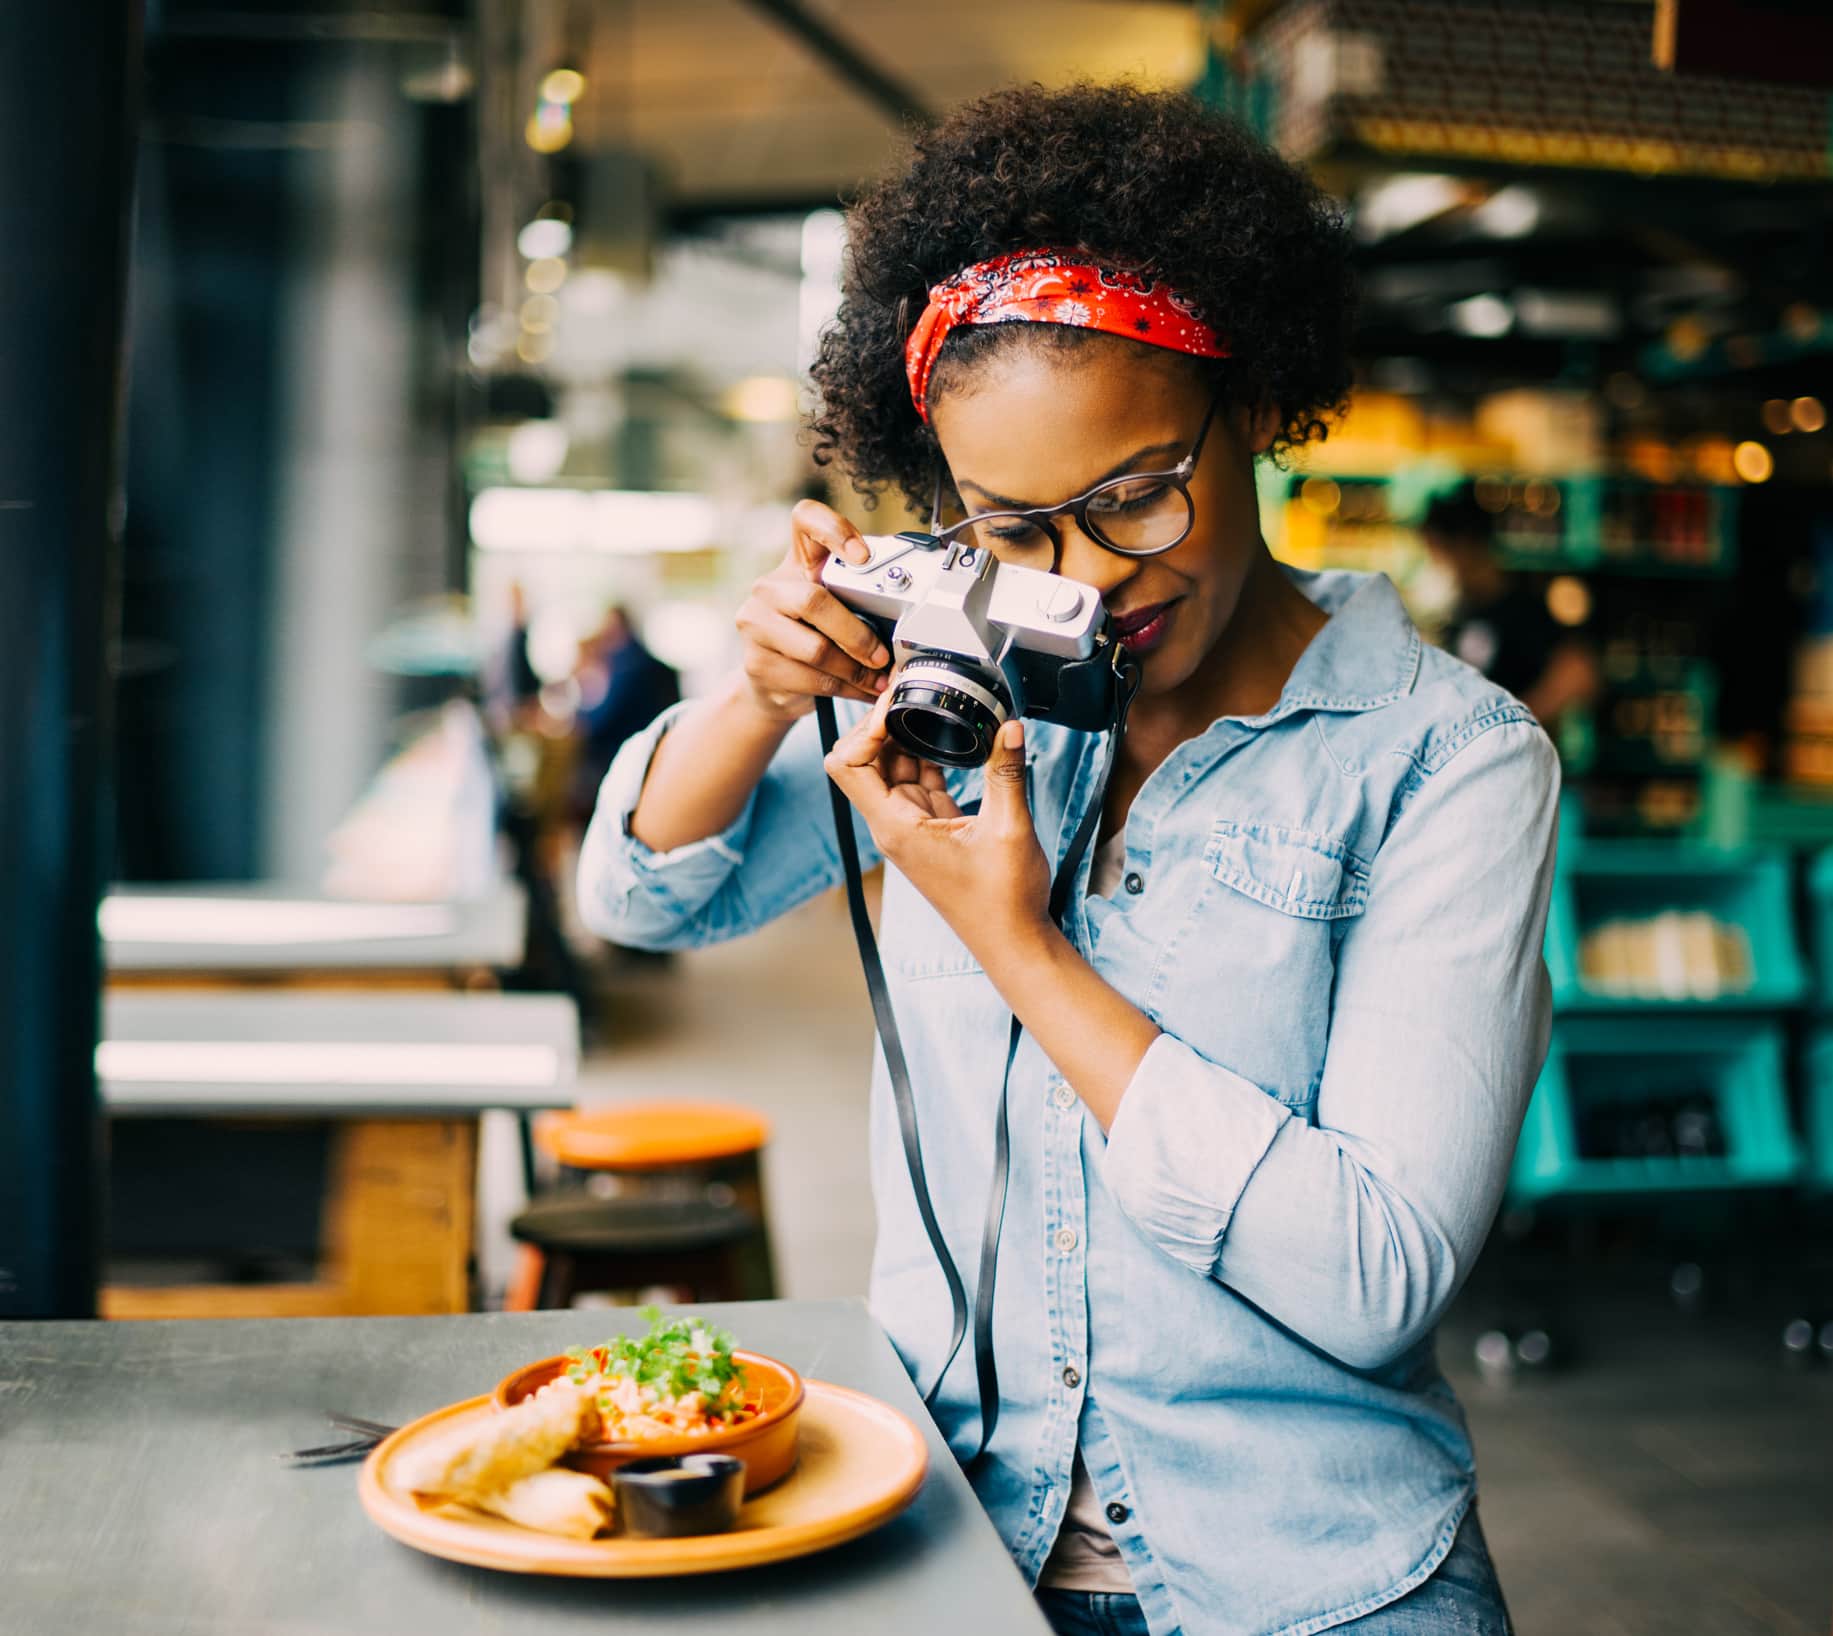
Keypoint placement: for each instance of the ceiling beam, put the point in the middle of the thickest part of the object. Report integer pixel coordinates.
(852, 65)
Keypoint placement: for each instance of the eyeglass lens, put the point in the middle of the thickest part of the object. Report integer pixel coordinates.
(1131, 515)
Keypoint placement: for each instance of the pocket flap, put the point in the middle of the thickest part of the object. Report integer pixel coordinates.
(1292, 870)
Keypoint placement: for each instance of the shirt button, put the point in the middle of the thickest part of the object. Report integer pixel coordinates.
(1066, 1239)
(1072, 1377)
(1117, 1513)
(1063, 1096)
(1135, 883)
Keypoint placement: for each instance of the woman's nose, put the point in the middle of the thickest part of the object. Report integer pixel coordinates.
(1080, 558)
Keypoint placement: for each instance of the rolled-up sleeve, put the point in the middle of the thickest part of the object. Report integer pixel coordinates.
(777, 853)
(1356, 1232)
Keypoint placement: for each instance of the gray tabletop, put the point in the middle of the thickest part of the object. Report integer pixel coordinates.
(139, 1490)
(224, 928)
(314, 1051)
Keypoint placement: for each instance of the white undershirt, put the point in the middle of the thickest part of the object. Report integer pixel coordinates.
(1084, 1557)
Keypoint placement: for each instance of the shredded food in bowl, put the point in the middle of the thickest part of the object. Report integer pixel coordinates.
(678, 1380)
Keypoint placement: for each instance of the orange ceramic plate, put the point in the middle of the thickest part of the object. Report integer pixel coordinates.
(861, 1462)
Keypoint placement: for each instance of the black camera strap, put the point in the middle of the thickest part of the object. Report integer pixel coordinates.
(986, 1374)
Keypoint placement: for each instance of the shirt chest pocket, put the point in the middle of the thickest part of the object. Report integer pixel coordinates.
(1246, 979)
(1294, 871)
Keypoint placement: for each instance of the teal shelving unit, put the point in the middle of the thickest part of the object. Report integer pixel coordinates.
(1817, 1066)
(1726, 1052)
(1736, 1063)
(1742, 811)
(1820, 926)
(1614, 525)
(1602, 881)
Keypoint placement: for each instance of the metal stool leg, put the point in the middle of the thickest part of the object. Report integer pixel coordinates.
(559, 1280)
(753, 1274)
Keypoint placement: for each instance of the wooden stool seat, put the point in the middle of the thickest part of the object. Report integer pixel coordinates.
(651, 1135)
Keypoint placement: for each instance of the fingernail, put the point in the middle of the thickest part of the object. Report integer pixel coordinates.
(880, 683)
(880, 654)
(1013, 735)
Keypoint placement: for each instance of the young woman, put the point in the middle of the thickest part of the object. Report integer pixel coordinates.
(1275, 1058)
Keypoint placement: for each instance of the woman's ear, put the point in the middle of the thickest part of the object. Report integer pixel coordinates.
(1255, 427)
(1262, 426)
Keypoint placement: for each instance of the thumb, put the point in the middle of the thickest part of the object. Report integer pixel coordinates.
(1004, 797)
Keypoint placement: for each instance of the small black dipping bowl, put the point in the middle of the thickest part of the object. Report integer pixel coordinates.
(673, 1495)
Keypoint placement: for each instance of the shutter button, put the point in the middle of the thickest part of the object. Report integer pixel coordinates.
(1072, 1377)
(1060, 602)
(1117, 1512)
(1136, 883)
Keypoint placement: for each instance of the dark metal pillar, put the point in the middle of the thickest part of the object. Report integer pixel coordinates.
(855, 68)
(68, 105)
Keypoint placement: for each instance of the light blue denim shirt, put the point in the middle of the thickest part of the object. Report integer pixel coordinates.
(1334, 914)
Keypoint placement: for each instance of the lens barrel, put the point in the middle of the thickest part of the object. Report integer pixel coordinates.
(946, 711)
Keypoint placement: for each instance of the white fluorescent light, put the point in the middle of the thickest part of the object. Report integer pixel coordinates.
(313, 1062)
(1508, 213)
(1483, 315)
(261, 922)
(536, 450)
(1401, 202)
(1579, 314)
(544, 237)
(620, 521)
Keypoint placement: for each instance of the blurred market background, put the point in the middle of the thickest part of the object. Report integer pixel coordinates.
(464, 346)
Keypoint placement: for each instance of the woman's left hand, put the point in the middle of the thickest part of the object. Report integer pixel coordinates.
(985, 875)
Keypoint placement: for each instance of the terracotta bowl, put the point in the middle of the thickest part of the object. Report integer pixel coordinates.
(767, 1444)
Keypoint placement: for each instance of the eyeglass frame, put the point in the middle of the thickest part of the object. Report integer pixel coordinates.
(1178, 477)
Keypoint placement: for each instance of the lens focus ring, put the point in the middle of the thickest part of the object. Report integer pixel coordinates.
(945, 711)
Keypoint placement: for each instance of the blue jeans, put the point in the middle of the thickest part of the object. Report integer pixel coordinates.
(1462, 1598)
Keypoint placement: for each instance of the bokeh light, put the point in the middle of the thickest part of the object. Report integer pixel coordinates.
(546, 275)
(1752, 462)
(1568, 600)
(563, 85)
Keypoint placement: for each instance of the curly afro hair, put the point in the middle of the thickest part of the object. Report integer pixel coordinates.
(1149, 180)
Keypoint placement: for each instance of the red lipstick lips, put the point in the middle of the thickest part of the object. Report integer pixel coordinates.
(1144, 628)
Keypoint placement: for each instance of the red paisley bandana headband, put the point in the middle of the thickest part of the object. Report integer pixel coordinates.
(1054, 287)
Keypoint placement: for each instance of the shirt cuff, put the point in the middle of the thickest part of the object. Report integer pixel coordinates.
(616, 870)
(1187, 1139)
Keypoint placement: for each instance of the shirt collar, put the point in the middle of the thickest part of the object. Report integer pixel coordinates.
(1367, 654)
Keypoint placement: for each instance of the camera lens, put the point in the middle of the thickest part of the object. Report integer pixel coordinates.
(940, 736)
(946, 712)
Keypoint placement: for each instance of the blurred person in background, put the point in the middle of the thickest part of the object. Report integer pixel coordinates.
(623, 687)
(521, 686)
(1501, 623)
(510, 686)
(1276, 1056)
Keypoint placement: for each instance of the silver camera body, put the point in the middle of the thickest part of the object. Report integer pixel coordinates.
(976, 642)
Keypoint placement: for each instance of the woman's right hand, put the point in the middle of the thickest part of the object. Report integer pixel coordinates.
(800, 641)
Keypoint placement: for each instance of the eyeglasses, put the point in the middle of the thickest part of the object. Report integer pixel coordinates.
(1139, 515)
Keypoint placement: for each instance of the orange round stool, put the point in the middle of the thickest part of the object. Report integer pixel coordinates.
(657, 1193)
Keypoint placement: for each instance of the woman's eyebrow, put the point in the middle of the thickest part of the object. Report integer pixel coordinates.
(1118, 469)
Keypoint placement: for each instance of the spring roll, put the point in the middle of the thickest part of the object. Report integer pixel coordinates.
(494, 1451)
(557, 1501)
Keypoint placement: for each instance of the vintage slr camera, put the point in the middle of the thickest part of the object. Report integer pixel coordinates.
(975, 642)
